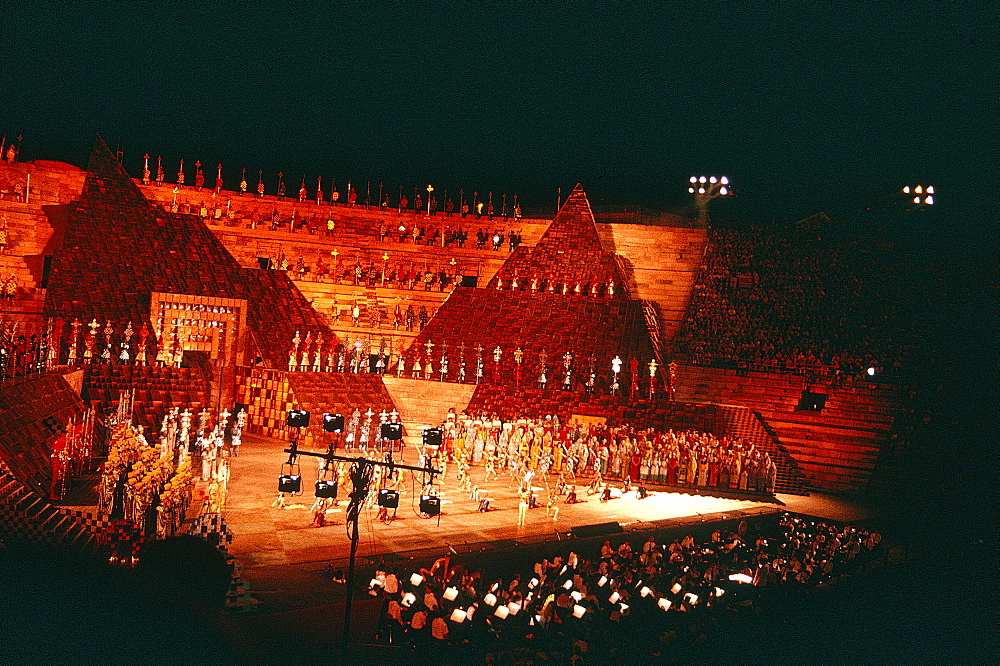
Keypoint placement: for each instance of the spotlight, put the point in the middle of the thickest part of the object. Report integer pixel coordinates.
(906, 189)
(576, 595)
(693, 179)
(491, 599)
(602, 581)
(326, 488)
(724, 180)
(691, 190)
(450, 594)
(408, 599)
(579, 611)
(871, 370)
(719, 592)
(645, 591)
(298, 418)
(416, 580)
(568, 584)
(691, 598)
(929, 200)
(388, 498)
(432, 437)
(713, 180)
(723, 191)
(514, 607)
(502, 612)
(614, 598)
(290, 482)
(702, 179)
(675, 589)
(430, 505)
(392, 431)
(623, 607)
(664, 603)
(533, 583)
(458, 615)
(333, 423)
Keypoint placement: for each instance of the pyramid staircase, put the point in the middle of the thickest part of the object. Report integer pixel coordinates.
(424, 403)
(27, 515)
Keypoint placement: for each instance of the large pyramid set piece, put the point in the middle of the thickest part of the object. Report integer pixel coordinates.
(119, 250)
(554, 317)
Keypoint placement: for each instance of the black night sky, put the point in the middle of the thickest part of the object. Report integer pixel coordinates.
(805, 106)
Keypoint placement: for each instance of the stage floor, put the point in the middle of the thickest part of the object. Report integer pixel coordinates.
(270, 542)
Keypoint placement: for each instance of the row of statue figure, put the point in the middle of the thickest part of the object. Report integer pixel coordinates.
(547, 284)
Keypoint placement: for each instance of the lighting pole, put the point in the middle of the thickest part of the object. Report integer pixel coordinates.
(430, 189)
(361, 479)
(706, 188)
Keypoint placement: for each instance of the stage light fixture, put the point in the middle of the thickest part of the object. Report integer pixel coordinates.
(568, 584)
(713, 180)
(533, 583)
(741, 578)
(298, 418)
(645, 591)
(719, 592)
(490, 599)
(579, 611)
(929, 200)
(458, 615)
(701, 190)
(906, 189)
(432, 437)
(675, 588)
(723, 191)
(603, 580)
(690, 190)
(408, 599)
(693, 179)
(416, 580)
(375, 582)
(702, 179)
(430, 505)
(576, 595)
(333, 423)
(691, 598)
(288, 483)
(502, 612)
(614, 598)
(326, 488)
(724, 180)
(388, 498)
(450, 594)
(514, 607)
(664, 603)
(392, 431)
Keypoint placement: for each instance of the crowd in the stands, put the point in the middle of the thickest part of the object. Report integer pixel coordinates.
(595, 602)
(790, 301)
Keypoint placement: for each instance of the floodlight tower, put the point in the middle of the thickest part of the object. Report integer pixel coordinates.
(919, 195)
(706, 188)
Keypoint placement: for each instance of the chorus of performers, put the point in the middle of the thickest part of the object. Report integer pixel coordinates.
(72, 453)
(24, 349)
(685, 458)
(594, 602)
(146, 488)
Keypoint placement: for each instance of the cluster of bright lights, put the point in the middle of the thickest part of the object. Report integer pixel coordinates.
(924, 195)
(710, 185)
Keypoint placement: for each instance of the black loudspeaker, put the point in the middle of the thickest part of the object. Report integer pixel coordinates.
(388, 498)
(392, 431)
(264, 262)
(811, 402)
(333, 423)
(584, 531)
(430, 505)
(298, 418)
(326, 488)
(469, 281)
(432, 436)
(290, 483)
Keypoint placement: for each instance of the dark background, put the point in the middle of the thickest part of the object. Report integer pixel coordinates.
(805, 106)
